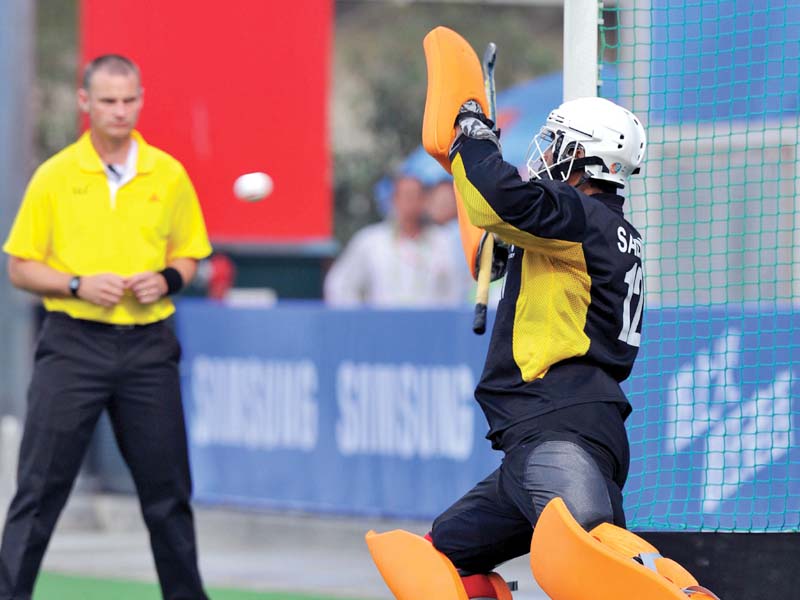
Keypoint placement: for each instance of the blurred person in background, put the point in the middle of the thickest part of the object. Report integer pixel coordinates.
(442, 211)
(402, 261)
(215, 276)
(109, 228)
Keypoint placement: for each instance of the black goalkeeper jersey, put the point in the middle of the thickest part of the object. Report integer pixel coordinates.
(568, 326)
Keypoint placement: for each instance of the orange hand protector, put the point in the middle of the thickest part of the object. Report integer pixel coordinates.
(454, 76)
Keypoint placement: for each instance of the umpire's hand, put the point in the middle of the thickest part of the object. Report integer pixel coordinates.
(148, 287)
(105, 289)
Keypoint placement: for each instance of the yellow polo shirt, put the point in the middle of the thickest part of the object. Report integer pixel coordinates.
(70, 221)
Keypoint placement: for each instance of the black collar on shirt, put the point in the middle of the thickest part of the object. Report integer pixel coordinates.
(612, 201)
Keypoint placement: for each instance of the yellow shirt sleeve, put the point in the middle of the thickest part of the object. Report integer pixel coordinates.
(188, 236)
(31, 232)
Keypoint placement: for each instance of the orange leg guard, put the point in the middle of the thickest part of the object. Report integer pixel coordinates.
(608, 563)
(413, 569)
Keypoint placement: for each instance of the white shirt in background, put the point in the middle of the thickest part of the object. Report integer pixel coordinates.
(382, 269)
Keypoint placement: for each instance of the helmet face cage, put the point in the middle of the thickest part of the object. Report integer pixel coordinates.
(604, 131)
(560, 145)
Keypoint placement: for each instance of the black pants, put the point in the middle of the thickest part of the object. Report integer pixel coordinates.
(82, 368)
(579, 453)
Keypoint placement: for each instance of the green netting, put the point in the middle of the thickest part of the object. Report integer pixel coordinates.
(717, 388)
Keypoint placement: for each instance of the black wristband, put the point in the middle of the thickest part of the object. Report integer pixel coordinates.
(174, 280)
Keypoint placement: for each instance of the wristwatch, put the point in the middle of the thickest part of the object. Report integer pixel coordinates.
(74, 285)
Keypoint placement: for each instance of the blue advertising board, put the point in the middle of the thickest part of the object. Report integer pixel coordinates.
(372, 412)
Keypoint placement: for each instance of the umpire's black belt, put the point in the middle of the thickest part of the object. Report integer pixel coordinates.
(98, 325)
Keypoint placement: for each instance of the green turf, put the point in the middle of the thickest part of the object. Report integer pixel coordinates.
(65, 587)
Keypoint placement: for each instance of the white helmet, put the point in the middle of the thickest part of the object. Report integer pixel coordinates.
(612, 138)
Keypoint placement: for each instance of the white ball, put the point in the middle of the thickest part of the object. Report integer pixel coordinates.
(252, 187)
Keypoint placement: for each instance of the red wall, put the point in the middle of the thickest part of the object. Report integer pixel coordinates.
(233, 87)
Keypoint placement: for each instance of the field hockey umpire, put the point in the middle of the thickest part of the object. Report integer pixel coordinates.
(108, 229)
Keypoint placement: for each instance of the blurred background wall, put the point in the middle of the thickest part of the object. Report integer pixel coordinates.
(371, 85)
(17, 160)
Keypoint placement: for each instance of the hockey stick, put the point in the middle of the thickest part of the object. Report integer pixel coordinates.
(487, 249)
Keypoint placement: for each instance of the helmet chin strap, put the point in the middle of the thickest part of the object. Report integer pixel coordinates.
(582, 163)
(582, 181)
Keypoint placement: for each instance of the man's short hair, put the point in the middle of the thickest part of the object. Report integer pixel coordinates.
(115, 64)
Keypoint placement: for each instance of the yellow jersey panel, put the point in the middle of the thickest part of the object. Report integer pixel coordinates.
(550, 313)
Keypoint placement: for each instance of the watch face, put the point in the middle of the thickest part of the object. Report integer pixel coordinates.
(74, 284)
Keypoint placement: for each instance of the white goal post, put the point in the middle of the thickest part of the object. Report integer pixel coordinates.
(581, 24)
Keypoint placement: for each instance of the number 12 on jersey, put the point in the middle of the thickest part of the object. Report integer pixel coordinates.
(629, 333)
